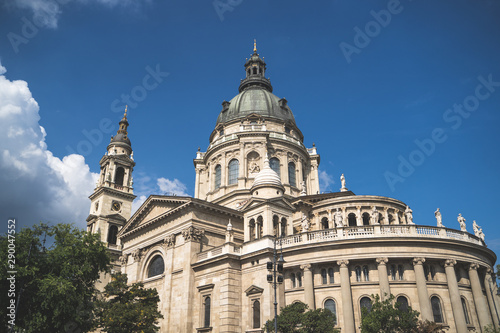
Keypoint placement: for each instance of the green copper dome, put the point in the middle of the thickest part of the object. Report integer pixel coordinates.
(255, 96)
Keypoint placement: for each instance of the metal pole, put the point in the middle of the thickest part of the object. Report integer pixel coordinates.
(274, 284)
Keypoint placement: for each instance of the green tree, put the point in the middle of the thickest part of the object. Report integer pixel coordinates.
(389, 317)
(57, 281)
(490, 328)
(297, 319)
(128, 308)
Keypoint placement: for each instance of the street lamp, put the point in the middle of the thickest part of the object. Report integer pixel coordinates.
(275, 277)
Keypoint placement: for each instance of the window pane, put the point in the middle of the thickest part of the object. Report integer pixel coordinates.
(299, 279)
(256, 314)
(323, 276)
(365, 273)
(400, 272)
(292, 277)
(207, 312)
(330, 274)
(466, 313)
(358, 274)
(156, 267)
(330, 305)
(112, 232)
(291, 174)
(365, 302)
(233, 171)
(436, 309)
(274, 163)
(403, 303)
(217, 176)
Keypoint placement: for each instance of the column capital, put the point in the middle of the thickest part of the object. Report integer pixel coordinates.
(123, 259)
(474, 266)
(169, 242)
(382, 261)
(192, 234)
(490, 271)
(450, 263)
(343, 263)
(418, 261)
(137, 255)
(305, 267)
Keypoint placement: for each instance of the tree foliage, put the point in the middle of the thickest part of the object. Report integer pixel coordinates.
(128, 308)
(297, 318)
(57, 282)
(389, 317)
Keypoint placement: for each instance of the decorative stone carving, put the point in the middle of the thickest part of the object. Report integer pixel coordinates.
(474, 266)
(303, 191)
(478, 231)
(382, 261)
(374, 215)
(338, 219)
(342, 182)
(343, 263)
(305, 267)
(409, 215)
(253, 167)
(450, 263)
(169, 241)
(137, 255)
(418, 261)
(192, 233)
(461, 220)
(123, 259)
(305, 223)
(439, 218)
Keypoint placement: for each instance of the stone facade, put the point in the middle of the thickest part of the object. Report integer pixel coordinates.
(207, 255)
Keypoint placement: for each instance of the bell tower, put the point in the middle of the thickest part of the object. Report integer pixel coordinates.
(111, 202)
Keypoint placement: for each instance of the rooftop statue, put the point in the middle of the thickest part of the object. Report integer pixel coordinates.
(439, 218)
(461, 220)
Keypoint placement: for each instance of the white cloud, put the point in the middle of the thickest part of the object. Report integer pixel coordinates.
(170, 187)
(36, 185)
(325, 180)
(46, 13)
(3, 70)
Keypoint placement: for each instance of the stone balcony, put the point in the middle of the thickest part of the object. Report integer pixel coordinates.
(346, 233)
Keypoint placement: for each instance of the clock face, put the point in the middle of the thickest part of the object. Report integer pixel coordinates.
(116, 206)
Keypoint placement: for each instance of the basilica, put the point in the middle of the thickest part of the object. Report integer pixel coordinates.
(259, 233)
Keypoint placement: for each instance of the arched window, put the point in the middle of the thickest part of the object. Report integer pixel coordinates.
(401, 272)
(119, 174)
(251, 229)
(366, 219)
(206, 312)
(426, 272)
(112, 232)
(366, 303)
(433, 272)
(330, 275)
(402, 303)
(324, 278)
(393, 272)
(366, 273)
(260, 227)
(299, 279)
(466, 311)
(352, 219)
(283, 227)
(391, 219)
(294, 282)
(276, 225)
(234, 167)
(255, 70)
(358, 273)
(291, 174)
(330, 305)
(436, 309)
(217, 176)
(324, 222)
(156, 267)
(274, 163)
(256, 314)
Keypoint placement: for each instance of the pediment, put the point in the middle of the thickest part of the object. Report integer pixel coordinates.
(276, 202)
(254, 290)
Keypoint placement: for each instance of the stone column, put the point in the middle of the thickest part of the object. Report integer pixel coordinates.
(456, 302)
(490, 297)
(482, 310)
(359, 218)
(423, 296)
(308, 286)
(383, 278)
(345, 287)
(496, 297)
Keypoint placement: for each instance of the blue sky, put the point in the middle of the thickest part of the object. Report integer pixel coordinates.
(401, 97)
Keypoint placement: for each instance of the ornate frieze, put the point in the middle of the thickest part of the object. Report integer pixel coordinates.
(192, 233)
